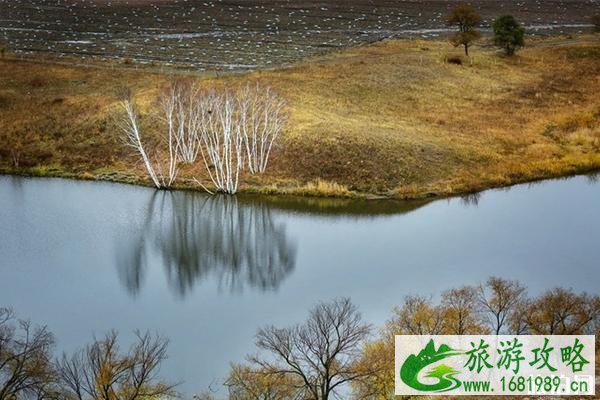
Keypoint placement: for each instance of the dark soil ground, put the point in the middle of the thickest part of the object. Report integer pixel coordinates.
(247, 34)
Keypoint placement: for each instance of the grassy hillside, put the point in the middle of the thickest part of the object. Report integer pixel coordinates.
(391, 119)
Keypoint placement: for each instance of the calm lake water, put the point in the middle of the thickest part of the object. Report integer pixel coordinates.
(85, 257)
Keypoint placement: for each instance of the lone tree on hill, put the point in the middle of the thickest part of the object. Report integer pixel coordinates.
(508, 34)
(466, 18)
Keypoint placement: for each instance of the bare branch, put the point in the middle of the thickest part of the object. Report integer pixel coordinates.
(25, 358)
(101, 372)
(322, 353)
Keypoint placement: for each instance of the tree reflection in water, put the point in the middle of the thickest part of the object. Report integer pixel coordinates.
(200, 238)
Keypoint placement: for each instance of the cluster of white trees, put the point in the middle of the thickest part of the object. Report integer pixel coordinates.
(228, 131)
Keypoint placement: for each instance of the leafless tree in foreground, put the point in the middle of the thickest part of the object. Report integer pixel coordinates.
(152, 157)
(417, 316)
(25, 359)
(322, 353)
(262, 118)
(517, 320)
(101, 372)
(461, 312)
(499, 298)
(561, 311)
(247, 383)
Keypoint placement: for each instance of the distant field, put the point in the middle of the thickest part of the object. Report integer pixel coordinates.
(390, 118)
(247, 34)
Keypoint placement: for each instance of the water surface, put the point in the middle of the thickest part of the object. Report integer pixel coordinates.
(86, 257)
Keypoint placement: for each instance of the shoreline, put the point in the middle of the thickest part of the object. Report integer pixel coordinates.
(299, 191)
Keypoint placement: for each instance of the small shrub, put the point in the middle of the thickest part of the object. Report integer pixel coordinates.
(457, 60)
(127, 61)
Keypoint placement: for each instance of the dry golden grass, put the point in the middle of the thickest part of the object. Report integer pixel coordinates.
(390, 119)
(318, 187)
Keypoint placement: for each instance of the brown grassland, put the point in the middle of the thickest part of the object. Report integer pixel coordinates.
(390, 119)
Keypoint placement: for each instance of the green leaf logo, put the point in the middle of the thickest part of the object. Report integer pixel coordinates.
(412, 367)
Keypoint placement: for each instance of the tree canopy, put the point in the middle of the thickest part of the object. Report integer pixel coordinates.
(508, 34)
(466, 18)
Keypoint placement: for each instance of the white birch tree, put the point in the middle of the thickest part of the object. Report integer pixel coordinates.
(229, 130)
(221, 140)
(162, 176)
(261, 119)
(181, 104)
